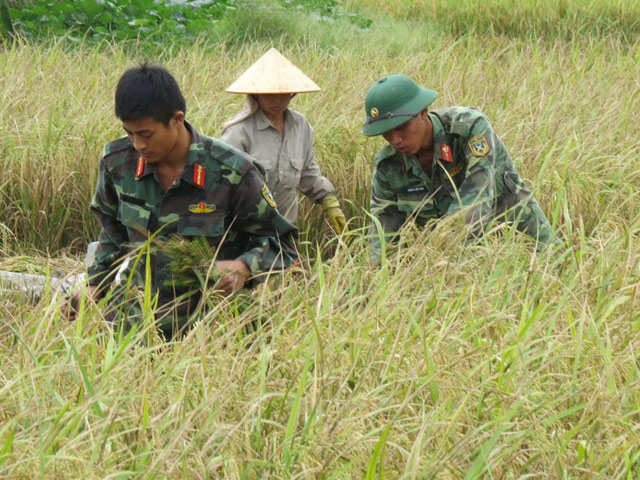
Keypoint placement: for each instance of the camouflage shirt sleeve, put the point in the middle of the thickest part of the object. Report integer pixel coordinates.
(476, 194)
(384, 207)
(113, 235)
(270, 237)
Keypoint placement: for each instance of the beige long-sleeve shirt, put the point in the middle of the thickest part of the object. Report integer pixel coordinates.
(288, 160)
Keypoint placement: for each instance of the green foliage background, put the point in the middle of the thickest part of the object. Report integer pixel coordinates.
(174, 21)
(118, 19)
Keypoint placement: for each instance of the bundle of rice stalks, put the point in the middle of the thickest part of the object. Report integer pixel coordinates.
(192, 261)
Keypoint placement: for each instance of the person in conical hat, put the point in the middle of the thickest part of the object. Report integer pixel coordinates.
(279, 138)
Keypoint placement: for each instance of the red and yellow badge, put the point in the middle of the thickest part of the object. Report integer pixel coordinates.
(140, 166)
(447, 155)
(479, 146)
(202, 208)
(454, 171)
(198, 174)
(268, 196)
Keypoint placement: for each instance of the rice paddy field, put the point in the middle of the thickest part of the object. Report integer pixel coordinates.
(446, 361)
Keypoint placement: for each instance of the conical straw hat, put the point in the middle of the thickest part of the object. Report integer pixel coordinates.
(273, 73)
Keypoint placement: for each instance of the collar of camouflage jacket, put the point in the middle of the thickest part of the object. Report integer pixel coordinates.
(195, 157)
(440, 137)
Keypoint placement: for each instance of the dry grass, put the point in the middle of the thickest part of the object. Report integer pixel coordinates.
(448, 362)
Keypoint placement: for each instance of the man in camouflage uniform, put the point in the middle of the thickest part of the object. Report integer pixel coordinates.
(440, 162)
(165, 179)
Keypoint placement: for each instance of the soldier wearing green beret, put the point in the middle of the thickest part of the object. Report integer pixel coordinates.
(439, 162)
(165, 179)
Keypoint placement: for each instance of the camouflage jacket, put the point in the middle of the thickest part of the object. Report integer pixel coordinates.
(471, 169)
(220, 195)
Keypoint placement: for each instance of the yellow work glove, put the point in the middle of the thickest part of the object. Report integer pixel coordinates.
(334, 214)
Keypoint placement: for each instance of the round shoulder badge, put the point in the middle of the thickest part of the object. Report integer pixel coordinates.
(479, 146)
(268, 196)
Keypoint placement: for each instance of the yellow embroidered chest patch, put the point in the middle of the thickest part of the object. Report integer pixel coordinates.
(479, 146)
(202, 208)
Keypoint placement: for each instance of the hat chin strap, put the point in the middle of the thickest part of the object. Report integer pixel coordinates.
(388, 115)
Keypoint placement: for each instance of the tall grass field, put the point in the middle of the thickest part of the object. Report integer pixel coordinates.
(446, 361)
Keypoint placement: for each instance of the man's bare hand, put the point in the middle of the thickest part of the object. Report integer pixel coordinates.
(233, 275)
(69, 309)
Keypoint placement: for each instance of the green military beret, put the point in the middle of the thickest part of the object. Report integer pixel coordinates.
(392, 101)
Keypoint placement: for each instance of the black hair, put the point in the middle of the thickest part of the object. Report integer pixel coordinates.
(148, 91)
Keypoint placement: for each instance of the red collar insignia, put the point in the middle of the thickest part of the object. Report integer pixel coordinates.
(199, 175)
(447, 156)
(140, 167)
